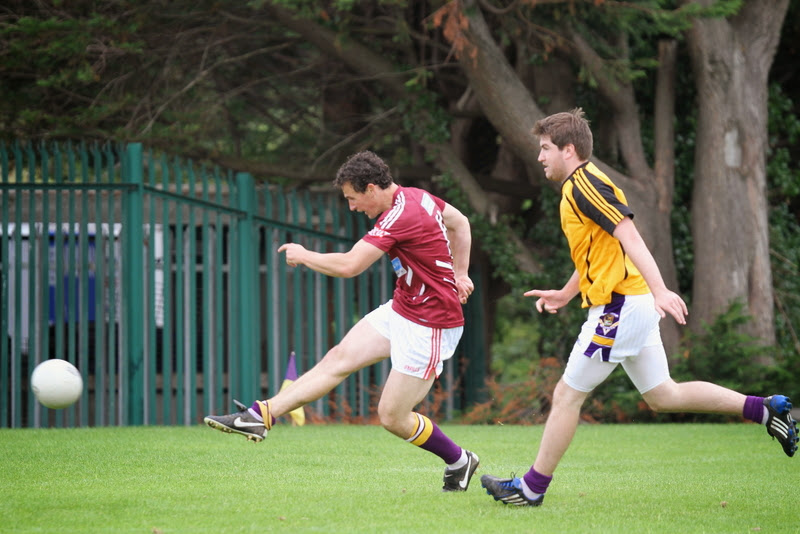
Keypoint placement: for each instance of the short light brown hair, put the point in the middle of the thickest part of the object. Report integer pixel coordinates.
(567, 128)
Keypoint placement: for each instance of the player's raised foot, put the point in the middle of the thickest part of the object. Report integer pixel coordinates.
(241, 422)
(508, 491)
(780, 423)
(458, 479)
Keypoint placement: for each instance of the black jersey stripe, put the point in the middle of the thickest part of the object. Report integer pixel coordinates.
(592, 184)
(592, 212)
(599, 194)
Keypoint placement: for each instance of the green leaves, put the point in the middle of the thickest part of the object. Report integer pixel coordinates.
(423, 118)
(784, 134)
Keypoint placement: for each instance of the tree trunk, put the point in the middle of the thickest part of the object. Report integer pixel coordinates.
(731, 59)
(510, 107)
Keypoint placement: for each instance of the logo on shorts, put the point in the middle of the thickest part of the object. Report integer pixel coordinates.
(412, 369)
(608, 322)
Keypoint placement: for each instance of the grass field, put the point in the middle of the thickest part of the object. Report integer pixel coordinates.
(338, 478)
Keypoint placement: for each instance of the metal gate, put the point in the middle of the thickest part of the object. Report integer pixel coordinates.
(160, 280)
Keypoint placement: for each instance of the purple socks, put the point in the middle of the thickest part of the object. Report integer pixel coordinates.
(754, 409)
(536, 481)
(429, 437)
(255, 408)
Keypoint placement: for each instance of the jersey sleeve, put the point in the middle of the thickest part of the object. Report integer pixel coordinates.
(402, 222)
(380, 238)
(598, 201)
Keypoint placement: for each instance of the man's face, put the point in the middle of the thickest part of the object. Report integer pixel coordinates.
(364, 202)
(552, 159)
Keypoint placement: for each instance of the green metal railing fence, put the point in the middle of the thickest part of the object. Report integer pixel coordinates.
(160, 280)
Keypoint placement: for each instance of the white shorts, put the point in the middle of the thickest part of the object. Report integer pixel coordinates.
(417, 350)
(624, 331)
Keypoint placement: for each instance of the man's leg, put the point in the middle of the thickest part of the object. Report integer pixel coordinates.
(704, 397)
(556, 438)
(559, 429)
(361, 346)
(650, 368)
(694, 397)
(401, 394)
(581, 376)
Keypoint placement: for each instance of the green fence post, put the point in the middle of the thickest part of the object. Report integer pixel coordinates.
(475, 347)
(5, 265)
(133, 284)
(247, 383)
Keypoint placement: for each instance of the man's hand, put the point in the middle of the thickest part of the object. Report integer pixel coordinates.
(550, 300)
(294, 253)
(465, 288)
(669, 302)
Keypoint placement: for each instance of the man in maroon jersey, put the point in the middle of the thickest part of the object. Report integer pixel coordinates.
(428, 241)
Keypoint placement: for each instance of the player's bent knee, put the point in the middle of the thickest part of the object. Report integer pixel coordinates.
(389, 421)
(657, 408)
(662, 398)
(396, 422)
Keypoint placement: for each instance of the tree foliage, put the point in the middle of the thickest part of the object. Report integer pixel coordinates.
(285, 89)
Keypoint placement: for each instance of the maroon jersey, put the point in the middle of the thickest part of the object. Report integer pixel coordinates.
(414, 236)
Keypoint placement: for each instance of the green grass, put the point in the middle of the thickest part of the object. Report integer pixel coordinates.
(338, 478)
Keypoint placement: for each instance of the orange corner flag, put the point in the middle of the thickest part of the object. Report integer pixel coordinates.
(298, 414)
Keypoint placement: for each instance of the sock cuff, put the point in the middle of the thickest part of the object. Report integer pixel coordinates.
(266, 413)
(422, 430)
(753, 409)
(536, 481)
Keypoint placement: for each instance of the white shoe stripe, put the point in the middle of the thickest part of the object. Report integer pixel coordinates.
(780, 427)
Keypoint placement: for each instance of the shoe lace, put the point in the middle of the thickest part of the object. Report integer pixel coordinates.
(509, 484)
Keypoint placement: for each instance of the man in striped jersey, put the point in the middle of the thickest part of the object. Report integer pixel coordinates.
(428, 241)
(620, 283)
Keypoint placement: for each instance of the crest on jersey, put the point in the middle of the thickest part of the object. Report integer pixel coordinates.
(608, 322)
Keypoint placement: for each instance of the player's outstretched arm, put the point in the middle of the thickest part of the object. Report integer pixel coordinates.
(666, 301)
(339, 264)
(550, 300)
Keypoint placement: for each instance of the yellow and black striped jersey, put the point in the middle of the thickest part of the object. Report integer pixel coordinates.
(591, 207)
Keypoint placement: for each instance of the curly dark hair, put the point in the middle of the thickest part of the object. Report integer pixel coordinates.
(362, 169)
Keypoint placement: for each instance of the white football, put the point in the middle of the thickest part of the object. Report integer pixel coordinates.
(56, 383)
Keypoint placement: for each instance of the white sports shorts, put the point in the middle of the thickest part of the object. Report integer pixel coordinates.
(417, 350)
(624, 331)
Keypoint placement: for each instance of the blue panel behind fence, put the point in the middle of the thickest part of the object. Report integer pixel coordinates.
(173, 309)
